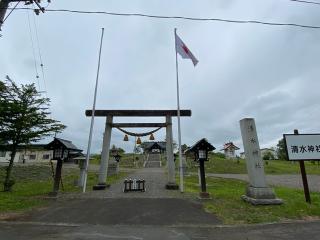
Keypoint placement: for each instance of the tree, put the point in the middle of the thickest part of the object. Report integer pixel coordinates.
(121, 150)
(281, 150)
(24, 118)
(268, 156)
(184, 147)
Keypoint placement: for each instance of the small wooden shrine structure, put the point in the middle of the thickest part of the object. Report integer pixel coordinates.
(153, 147)
(230, 150)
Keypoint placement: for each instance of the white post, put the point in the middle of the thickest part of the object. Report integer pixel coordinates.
(92, 120)
(178, 114)
(170, 158)
(105, 152)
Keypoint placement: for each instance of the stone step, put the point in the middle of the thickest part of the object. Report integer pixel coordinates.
(153, 164)
(153, 161)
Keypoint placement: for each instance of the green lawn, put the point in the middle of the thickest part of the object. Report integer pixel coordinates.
(34, 182)
(222, 165)
(231, 209)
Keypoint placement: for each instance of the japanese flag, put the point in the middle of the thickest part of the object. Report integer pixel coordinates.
(184, 51)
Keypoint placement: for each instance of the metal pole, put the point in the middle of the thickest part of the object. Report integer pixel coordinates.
(304, 177)
(134, 151)
(178, 114)
(92, 117)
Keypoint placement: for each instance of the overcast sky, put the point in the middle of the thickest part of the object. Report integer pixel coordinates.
(266, 72)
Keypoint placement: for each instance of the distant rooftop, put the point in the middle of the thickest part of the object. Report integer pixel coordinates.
(229, 146)
(149, 145)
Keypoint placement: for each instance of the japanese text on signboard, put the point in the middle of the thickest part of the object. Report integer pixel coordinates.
(303, 146)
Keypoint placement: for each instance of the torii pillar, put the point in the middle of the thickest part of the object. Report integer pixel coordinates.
(103, 170)
(170, 157)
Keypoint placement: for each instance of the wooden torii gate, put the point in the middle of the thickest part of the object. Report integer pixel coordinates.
(109, 114)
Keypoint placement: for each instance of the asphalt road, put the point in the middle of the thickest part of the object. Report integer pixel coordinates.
(123, 211)
(44, 231)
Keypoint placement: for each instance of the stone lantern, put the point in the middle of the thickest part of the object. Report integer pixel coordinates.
(115, 154)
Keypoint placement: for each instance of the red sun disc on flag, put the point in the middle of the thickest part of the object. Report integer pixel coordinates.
(185, 49)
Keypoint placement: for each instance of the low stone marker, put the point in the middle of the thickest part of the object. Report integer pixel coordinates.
(257, 193)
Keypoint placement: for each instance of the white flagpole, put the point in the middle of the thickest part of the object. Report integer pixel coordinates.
(92, 118)
(178, 113)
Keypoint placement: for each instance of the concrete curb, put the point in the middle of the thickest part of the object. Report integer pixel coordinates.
(170, 226)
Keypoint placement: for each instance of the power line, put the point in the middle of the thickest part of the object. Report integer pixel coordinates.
(33, 51)
(308, 2)
(40, 55)
(180, 17)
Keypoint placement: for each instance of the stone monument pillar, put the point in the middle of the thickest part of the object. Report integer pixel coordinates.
(170, 158)
(257, 193)
(105, 155)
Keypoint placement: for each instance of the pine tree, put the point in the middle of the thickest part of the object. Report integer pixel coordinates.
(24, 118)
(281, 150)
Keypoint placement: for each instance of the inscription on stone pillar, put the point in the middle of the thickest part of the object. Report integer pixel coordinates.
(252, 152)
(257, 193)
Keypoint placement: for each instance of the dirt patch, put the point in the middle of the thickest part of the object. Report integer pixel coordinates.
(11, 216)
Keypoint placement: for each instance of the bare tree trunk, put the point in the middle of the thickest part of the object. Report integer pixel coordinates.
(8, 182)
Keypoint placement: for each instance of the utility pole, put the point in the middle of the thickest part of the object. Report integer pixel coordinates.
(4, 5)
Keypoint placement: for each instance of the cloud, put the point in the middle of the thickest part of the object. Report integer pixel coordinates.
(268, 73)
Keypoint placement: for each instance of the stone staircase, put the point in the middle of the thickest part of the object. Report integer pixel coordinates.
(153, 161)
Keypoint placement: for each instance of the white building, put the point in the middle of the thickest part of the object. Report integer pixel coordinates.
(30, 153)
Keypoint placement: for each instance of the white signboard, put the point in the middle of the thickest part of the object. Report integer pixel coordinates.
(302, 146)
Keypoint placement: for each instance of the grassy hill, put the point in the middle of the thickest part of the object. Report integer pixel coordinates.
(218, 164)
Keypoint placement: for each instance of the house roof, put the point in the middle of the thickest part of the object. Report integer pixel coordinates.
(229, 145)
(66, 143)
(150, 145)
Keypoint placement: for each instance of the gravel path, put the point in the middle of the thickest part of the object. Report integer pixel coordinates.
(155, 178)
(292, 181)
